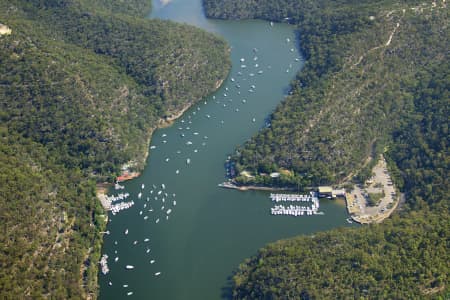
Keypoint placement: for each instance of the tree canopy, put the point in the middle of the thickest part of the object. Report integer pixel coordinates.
(376, 79)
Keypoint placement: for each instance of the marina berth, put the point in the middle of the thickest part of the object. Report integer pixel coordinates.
(296, 210)
(121, 206)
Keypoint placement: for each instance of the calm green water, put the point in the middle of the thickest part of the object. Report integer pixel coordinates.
(210, 230)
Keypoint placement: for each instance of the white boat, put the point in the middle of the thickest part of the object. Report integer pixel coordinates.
(163, 186)
(195, 150)
(163, 135)
(288, 40)
(146, 239)
(152, 261)
(177, 172)
(157, 221)
(129, 267)
(142, 186)
(232, 79)
(188, 161)
(126, 231)
(271, 24)
(116, 259)
(139, 195)
(174, 203)
(167, 159)
(164, 141)
(169, 211)
(242, 59)
(188, 143)
(148, 251)
(125, 285)
(253, 120)
(152, 147)
(195, 133)
(157, 273)
(129, 293)
(146, 217)
(135, 242)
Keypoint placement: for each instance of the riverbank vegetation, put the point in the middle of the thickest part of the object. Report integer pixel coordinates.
(375, 80)
(82, 85)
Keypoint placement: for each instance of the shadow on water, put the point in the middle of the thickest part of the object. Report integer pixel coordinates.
(227, 289)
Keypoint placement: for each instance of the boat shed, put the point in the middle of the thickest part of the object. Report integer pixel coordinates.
(325, 191)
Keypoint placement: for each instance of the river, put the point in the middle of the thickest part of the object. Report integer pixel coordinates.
(209, 230)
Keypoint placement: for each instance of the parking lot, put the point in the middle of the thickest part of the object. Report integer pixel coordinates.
(379, 184)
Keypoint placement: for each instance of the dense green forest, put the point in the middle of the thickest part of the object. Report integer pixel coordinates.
(82, 86)
(376, 79)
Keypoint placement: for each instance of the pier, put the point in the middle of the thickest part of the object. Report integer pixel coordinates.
(295, 210)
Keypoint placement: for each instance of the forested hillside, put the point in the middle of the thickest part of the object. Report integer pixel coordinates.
(376, 79)
(82, 85)
(357, 84)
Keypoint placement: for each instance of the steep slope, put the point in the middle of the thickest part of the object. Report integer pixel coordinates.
(358, 82)
(82, 86)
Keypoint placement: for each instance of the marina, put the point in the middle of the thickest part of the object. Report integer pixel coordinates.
(295, 210)
(188, 220)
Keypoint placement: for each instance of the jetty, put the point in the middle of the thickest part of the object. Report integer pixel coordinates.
(312, 196)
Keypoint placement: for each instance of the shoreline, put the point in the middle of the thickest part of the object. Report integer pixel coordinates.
(102, 188)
